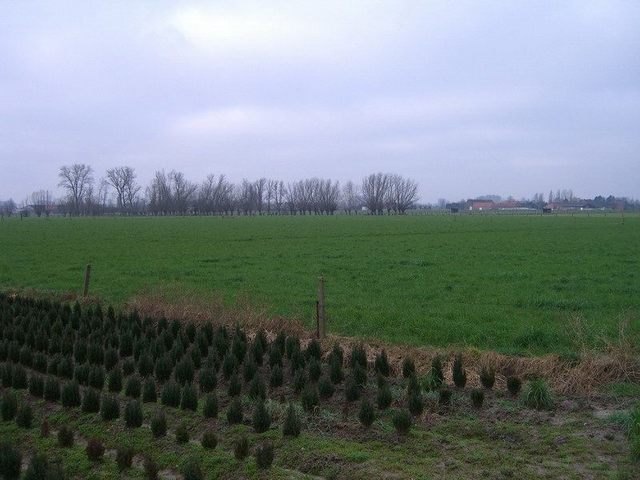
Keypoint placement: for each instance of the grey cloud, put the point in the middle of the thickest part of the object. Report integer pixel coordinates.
(467, 97)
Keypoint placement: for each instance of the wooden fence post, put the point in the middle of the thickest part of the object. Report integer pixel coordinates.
(87, 276)
(320, 315)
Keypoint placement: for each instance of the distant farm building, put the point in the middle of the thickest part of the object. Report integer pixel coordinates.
(480, 205)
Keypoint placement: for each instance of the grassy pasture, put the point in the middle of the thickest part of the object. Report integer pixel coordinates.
(515, 284)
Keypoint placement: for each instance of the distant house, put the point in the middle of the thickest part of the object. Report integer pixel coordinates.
(480, 205)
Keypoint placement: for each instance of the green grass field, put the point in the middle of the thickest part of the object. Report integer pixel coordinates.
(510, 283)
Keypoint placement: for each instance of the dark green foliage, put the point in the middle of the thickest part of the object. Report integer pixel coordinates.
(415, 403)
(325, 387)
(196, 357)
(109, 408)
(80, 351)
(359, 375)
(276, 378)
(36, 385)
(115, 380)
(145, 365)
(210, 406)
(257, 352)
(91, 401)
(384, 396)
(335, 370)
(24, 418)
(366, 415)
(207, 379)
(352, 390)
(241, 448)
(184, 371)
(158, 424)
(249, 369)
(41, 469)
(264, 455)
(149, 392)
(8, 406)
(65, 436)
(96, 354)
(234, 412)
(261, 419)
(402, 421)
(314, 350)
(444, 397)
(128, 367)
(126, 344)
(151, 468)
(163, 369)
(19, 379)
(110, 358)
(257, 388)
(514, 384)
(437, 371)
(70, 395)
(235, 385)
(6, 372)
(209, 440)
(382, 364)
(413, 386)
(124, 457)
(40, 362)
(537, 395)
(133, 414)
(238, 347)
(171, 394)
(96, 377)
(408, 367)
(315, 369)
(309, 398)
(182, 434)
(95, 449)
(26, 356)
(64, 368)
(299, 381)
(81, 374)
(292, 344)
(52, 389)
(133, 387)
(229, 365)
(275, 356)
(358, 356)
(477, 397)
(298, 361)
(10, 462)
(189, 399)
(487, 377)
(459, 374)
(291, 425)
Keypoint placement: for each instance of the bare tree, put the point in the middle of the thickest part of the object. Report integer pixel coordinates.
(76, 179)
(350, 197)
(259, 190)
(40, 202)
(401, 194)
(7, 207)
(123, 180)
(374, 190)
(182, 192)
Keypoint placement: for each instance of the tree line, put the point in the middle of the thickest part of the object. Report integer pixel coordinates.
(171, 193)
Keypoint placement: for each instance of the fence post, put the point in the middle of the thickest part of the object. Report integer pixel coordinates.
(320, 316)
(87, 276)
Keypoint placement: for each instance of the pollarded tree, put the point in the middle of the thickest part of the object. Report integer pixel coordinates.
(76, 179)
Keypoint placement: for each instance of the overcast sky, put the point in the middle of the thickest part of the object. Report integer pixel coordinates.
(468, 98)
